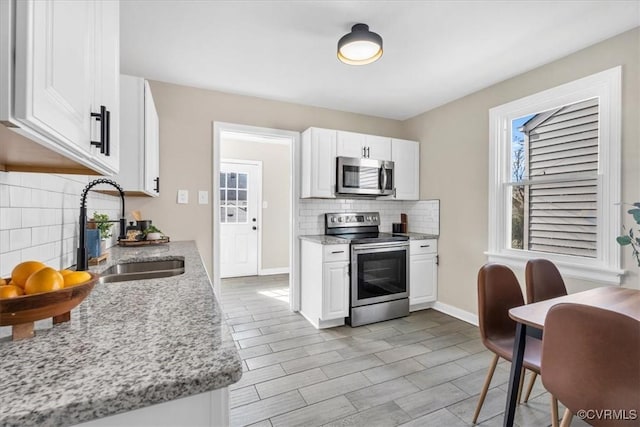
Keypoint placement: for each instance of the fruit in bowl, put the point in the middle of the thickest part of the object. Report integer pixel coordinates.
(36, 292)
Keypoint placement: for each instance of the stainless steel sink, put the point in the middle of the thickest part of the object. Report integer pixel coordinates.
(142, 270)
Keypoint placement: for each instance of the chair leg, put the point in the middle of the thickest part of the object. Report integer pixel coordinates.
(522, 372)
(530, 386)
(554, 412)
(566, 418)
(485, 387)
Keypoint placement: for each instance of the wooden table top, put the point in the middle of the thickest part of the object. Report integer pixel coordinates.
(621, 300)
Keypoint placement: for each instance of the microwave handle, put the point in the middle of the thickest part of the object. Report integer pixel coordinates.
(383, 172)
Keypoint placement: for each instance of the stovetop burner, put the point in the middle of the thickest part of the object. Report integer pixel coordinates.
(359, 227)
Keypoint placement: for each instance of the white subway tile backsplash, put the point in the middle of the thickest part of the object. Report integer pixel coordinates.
(19, 238)
(39, 216)
(423, 216)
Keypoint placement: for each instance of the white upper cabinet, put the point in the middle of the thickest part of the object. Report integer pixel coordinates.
(359, 145)
(65, 86)
(406, 157)
(139, 132)
(318, 163)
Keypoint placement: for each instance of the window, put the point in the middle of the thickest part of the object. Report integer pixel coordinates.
(233, 197)
(555, 178)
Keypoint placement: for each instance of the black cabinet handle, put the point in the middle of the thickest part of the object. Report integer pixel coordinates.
(102, 118)
(425, 246)
(157, 181)
(107, 133)
(337, 252)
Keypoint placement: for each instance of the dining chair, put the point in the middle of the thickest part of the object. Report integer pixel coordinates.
(591, 362)
(543, 281)
(498, 292)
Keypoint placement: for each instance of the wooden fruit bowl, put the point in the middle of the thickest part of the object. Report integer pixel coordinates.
(21, 312)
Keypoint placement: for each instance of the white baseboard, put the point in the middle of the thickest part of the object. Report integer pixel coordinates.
(271, 271)
(456, 312)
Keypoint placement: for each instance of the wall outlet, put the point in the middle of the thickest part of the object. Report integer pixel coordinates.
(203, 197)
(183, 197)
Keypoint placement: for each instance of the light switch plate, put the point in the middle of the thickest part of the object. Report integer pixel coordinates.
(203, 197)
(183, 197)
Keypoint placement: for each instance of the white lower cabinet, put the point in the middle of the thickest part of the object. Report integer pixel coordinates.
(423, 273)
(209, 409)
(324, 283)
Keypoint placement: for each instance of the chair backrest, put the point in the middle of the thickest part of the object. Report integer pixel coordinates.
(498, 291)
(543, 281)
(591, 361)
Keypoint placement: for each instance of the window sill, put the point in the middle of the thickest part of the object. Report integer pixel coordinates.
(590, 272)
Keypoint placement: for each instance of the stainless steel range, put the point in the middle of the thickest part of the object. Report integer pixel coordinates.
(379, 267)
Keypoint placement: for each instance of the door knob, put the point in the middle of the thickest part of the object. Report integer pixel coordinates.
(254, 228)
(253, 219)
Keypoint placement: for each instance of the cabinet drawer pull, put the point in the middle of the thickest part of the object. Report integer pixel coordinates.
(425, 246)
(337, 252)
(157, 181)
(107, 150)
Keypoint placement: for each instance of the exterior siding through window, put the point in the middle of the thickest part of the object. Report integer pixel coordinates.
(561, 213)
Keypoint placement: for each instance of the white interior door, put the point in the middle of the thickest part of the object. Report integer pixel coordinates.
(239, 190)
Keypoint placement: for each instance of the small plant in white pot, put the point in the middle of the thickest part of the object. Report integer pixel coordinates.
(104, 229)
(152, 233)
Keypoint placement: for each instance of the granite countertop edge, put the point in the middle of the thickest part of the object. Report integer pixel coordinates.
(205, 356)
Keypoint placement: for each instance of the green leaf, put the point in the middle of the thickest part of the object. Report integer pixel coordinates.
(623, 240)
(636, 214)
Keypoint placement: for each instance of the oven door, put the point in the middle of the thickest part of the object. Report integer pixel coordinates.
(379, 272)
(366, 177)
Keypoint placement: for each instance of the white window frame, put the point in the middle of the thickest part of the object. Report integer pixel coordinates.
(606, 86)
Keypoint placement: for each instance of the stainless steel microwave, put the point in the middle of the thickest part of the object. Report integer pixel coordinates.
(364, 177)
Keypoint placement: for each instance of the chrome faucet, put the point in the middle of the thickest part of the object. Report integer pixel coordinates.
(82, 262)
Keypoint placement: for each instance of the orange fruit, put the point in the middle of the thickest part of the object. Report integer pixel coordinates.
(76, 278)
(22, 271)
(10, 291)
(65, 272)
(45, 280)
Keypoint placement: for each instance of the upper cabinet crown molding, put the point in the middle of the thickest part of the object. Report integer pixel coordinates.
(60, 102)
(140, 160)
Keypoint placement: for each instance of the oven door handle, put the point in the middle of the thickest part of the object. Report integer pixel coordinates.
(386, 246)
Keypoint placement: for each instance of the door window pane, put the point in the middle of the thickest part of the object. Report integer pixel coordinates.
(242, 180)
(231, 214)
(232, 180)
(223, 214)
(242, 214)
(223, 179)
(223, 197)
(242, 195)
(231, 197)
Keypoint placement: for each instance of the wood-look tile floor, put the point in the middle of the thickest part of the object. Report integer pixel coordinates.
(422, 370)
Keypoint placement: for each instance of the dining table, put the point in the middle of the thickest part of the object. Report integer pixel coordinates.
(530, 320)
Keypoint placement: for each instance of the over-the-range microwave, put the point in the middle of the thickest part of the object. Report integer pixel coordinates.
(364, 177)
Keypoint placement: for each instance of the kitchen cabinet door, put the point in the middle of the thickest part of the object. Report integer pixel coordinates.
(318, 163)
(378, 147)
(335, 290)
(351, 144)
(423, 272)
(65, 67)
(107, 81)
(54, 70)
(139, 171)
(406, 157)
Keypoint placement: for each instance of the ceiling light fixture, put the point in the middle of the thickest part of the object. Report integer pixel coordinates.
(360, 46)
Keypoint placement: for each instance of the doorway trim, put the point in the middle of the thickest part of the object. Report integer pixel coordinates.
(257, 163)
(294, 192)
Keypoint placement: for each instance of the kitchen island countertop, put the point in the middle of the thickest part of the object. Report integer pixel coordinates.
(128, 345)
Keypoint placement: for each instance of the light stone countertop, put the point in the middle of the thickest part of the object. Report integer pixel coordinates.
(128, 345)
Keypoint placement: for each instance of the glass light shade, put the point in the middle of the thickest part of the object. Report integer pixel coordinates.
(360, 46)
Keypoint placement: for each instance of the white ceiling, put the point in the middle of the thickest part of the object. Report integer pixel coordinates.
(434, 51)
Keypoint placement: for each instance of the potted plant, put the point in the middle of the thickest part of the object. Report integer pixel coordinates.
(104, 229)
(632, 237)
(152, 233)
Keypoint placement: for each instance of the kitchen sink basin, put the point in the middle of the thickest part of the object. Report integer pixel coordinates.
(142, 270)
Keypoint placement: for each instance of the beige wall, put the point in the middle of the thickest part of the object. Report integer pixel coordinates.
(455, 152)
(275, 192)
(186, 117)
